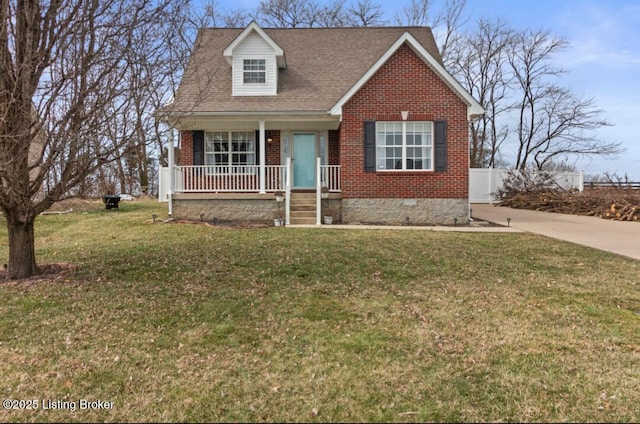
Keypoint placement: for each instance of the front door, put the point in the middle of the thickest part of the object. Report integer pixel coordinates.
(304, 160)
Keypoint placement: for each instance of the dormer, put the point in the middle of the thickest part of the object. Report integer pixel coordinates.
(255, 59)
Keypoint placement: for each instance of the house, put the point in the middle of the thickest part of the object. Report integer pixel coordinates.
(363, 124)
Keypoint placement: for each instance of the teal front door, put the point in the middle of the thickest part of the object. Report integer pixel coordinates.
(304, 160)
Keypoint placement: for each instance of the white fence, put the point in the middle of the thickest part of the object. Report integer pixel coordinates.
(484, 183)
(163, 184)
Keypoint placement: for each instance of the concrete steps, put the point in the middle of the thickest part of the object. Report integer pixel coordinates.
(303, 208)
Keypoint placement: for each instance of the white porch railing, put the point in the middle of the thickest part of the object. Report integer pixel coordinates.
(227, 178)
(330, 177)
(220, 179)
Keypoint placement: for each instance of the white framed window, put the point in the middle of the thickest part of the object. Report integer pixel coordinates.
(404, 146)
(230, 151)
(254, 71)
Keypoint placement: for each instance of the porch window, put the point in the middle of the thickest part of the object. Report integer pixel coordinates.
(404, 146)
(230, 152)
(254, 71)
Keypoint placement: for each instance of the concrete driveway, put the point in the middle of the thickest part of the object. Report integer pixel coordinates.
(618, 237)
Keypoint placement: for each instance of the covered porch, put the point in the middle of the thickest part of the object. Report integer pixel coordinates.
(239, 165)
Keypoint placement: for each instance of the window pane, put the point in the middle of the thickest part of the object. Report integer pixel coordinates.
(216, 144)
(243, 142)
(254, 71)
(419, 139)
(427, 156)
(414, 139)
(389, 144)
(209, 159)
(239, 159)
(254, 64)
(414, 164)
(222, 159)
(254, 78)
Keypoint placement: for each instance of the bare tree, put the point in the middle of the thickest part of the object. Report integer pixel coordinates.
(333, 14)
(567, 125)
(365, 13)
(210, 14)
(479, 62)
(552, 122)
(287, 13)
(310, 14)
(63, 78)
(446, 23)
(155, 65)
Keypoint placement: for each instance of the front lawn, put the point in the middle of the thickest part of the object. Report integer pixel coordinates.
(178, 322)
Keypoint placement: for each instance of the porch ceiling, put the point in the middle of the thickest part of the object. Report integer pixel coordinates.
(283, 122)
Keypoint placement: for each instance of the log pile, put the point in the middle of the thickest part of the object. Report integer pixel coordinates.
(619, 205)
(625, 212)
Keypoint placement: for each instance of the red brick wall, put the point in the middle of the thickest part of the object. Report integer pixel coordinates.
(186, 148)
(273, 148)
(334, 147)
(404, 83)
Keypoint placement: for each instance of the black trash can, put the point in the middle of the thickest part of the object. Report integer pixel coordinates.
(111, 201)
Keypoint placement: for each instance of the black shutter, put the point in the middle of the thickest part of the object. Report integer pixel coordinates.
(440, 136)
(198, 147)
(369, 146)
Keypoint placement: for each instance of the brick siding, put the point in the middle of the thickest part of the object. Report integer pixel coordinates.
(186, 148)
(404, 83)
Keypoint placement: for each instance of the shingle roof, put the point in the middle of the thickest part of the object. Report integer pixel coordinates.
(322, 65)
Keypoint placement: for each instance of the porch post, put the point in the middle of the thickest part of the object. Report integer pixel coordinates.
(172, 177)
(318, 193)
(263, 166)
(287, 193)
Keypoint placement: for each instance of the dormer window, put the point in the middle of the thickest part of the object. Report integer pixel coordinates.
(255, 59)
(255, 71)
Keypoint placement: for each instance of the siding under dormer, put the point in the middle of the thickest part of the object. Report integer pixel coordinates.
(255, 47)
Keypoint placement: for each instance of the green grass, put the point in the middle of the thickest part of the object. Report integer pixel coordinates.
(175, 322)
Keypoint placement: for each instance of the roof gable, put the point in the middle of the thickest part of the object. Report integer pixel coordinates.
(474, 108)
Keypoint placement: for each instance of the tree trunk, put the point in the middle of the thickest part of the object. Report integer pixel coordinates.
(22, 255)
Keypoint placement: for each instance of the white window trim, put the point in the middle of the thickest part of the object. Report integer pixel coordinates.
(263, 72)
(404, 147)
(212, 168)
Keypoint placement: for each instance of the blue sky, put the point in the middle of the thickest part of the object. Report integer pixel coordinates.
(602, 61)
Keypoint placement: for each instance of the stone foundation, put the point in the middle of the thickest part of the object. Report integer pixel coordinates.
(263, 209)
(332, 207)
(250, 208)
(405, 211)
